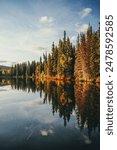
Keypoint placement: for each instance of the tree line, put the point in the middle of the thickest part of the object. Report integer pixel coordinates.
(24, 69)
(66, 61)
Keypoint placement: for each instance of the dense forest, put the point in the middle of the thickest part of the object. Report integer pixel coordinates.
(66, 61)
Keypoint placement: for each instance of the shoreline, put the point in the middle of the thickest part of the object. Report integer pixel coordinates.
(49, 78)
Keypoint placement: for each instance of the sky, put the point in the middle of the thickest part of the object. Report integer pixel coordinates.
(29, 27)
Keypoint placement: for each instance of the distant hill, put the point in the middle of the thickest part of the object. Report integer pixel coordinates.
(4, 67)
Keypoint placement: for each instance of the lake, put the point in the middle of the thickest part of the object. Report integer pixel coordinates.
(49, 115)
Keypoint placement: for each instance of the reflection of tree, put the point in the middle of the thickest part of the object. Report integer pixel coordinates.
(4, 82)
(61, 96)
(88, 106)
(24, 84)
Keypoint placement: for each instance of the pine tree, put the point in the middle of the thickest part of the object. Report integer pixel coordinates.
(89, 52)
(12, 70)
(54, 60)
(50, 67)
(28, 69)
(0, 71)
(66, 57)
(45, 63)
(87, 56)
(78, 71)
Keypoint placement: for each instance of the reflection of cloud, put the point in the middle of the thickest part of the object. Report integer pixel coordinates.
(3, 61)
(46, 132)
(2, 90)
(34, 103)
(73, 113)
(50, 131)
(86, 139)
(85, 12)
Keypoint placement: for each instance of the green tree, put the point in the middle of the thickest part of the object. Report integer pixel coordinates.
(45, 63)
(50, 67)
(66, 57)
(28, 69)
(0, 71)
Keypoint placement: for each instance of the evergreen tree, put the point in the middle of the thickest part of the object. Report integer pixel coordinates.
(87, 56)
(54, 57)
(28, 69)
(0, 71)
(45, 63)
(50, 67)
(66, 57)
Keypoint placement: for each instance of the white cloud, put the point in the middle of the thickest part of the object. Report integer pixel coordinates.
(85, 12)
(81, 27)
(46, 20)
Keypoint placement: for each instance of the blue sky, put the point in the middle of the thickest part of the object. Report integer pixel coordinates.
(28, 27)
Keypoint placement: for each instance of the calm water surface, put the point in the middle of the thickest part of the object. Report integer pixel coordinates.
(49, 115)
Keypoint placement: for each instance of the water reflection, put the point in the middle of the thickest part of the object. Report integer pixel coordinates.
(4, 82)
(66, 99)
(61, 96)
(88, 106)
